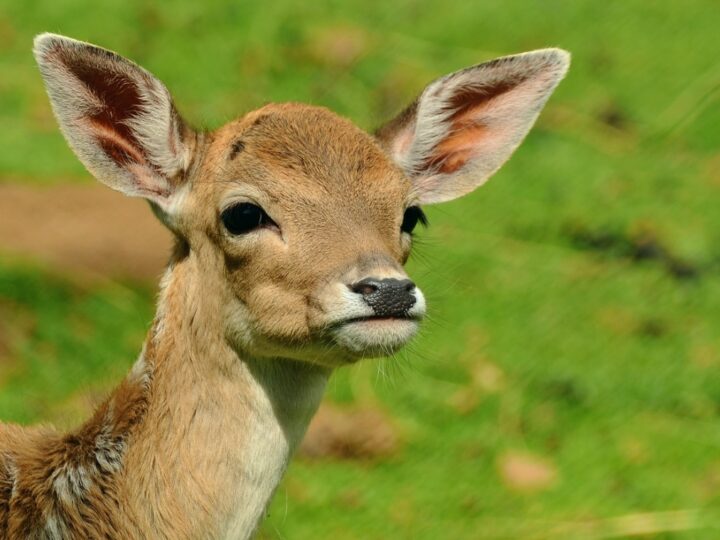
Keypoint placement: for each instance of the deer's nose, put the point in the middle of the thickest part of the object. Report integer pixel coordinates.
(387, 297)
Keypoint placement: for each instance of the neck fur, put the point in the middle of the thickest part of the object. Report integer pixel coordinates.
(218, 430)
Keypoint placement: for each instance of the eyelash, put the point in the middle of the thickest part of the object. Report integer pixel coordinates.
(413, 215)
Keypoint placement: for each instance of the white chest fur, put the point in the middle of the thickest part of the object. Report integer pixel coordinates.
(284, 396)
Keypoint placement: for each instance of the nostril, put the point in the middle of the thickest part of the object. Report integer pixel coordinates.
(365, 287)
(408, 285)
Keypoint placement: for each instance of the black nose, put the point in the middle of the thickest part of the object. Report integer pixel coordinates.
(387, 297)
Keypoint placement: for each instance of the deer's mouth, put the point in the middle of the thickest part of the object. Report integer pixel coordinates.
(375, 335)
(382, 318)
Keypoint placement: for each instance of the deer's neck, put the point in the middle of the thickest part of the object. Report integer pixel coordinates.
(217, 431)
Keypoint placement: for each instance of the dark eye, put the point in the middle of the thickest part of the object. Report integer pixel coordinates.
(244, 217)
(410, 220)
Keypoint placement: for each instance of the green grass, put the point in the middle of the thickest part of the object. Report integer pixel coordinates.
(585, 275)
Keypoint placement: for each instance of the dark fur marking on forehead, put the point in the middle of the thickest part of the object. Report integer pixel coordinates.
(237, 147)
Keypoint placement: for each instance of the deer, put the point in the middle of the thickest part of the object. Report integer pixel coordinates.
(291, 230)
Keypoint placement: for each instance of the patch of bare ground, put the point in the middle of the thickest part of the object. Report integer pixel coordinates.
(85, 229)
(524, 472)
(362, 433)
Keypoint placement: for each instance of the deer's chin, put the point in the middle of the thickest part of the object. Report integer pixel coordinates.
(374, 337)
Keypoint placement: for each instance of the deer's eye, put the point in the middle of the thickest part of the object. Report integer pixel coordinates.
(412, 216)
(244, 217)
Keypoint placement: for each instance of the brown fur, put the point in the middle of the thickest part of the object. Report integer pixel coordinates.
(39, 472)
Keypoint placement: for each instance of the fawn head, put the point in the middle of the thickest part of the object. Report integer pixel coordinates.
(297, 222)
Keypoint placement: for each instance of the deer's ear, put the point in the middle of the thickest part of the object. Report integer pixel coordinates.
(118, 118)
(464, 126)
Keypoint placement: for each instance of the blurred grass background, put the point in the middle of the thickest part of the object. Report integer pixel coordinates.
(569, 383)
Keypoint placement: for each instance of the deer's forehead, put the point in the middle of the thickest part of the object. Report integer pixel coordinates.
(297, 150)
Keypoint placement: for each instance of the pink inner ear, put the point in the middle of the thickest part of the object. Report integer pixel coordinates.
(468, 98)
(120, 100)
(458, 148)
(115, 146)
(467, 131)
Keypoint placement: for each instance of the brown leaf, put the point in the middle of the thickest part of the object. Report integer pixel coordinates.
(95, 231)
(525, 472)
(359, 433)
